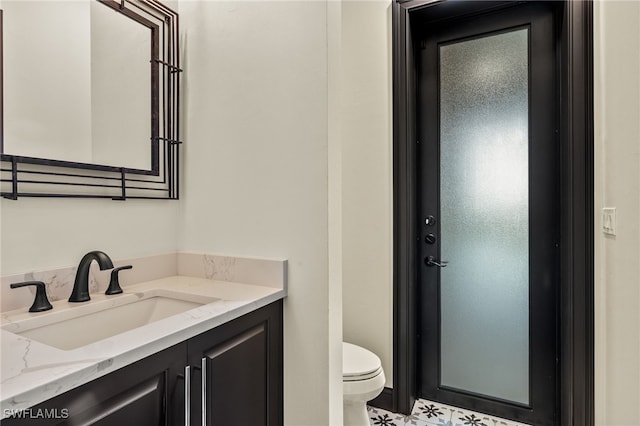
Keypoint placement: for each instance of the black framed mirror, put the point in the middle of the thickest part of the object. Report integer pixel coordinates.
(90, 97)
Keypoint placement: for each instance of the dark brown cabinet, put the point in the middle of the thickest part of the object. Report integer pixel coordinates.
(239, 371)
(231, 375)
(143, 393)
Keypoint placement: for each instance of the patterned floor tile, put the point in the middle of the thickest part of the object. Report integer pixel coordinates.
(379, 417)
(415, 421)
(442, 414)
(427, 413)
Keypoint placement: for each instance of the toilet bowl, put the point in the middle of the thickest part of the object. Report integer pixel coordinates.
(362, 380)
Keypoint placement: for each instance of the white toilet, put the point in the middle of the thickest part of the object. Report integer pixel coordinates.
(362, 380)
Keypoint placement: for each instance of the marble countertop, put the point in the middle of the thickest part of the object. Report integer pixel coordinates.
(32, 372)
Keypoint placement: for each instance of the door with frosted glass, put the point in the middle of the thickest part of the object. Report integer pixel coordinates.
(487, 211)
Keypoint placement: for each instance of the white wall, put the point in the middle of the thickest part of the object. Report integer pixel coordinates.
(42, 234)
(256, 182)
(367, 178)
(335, 179)
(617, 137)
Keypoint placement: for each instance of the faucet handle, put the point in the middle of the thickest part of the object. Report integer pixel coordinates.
(41, 302)
(114, 284)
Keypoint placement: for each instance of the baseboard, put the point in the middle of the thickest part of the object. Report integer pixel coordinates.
(384, 400)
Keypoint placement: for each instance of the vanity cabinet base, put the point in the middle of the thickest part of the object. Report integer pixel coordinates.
(138, 394)
(241, 363)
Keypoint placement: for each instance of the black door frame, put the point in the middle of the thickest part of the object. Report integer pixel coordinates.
(576, 365)
(536, 20)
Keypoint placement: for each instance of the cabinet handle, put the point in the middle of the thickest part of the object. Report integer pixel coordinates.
(187, 395)
(203, 369)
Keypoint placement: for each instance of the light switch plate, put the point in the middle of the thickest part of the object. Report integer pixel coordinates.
(609, 220)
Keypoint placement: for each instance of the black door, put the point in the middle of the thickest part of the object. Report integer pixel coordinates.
(488, 213)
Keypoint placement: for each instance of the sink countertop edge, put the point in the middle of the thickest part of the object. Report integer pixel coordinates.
(33, 372)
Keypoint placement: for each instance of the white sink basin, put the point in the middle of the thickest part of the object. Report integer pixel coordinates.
(91, 323)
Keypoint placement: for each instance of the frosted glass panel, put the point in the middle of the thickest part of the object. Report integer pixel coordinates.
(484, 215)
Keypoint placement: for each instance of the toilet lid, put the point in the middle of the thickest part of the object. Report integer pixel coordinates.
(359, 363)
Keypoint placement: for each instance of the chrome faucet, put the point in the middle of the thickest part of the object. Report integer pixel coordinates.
(80, 291)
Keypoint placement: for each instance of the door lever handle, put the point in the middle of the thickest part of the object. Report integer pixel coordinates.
(431, 261)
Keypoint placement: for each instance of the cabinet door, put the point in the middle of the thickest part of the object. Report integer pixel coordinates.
(241, 364)
(146, 393)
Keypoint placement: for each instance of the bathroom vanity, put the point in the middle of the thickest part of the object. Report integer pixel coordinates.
(235, 370)
(208, 351)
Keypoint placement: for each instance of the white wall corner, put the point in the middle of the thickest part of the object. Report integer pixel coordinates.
(368, 178)
(617, 184)
(600, 389)
(334, 123)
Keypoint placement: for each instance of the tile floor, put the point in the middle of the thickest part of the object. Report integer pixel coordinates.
(427, 413)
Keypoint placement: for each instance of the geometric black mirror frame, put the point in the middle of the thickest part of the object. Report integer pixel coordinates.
(41, 177)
